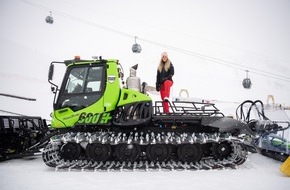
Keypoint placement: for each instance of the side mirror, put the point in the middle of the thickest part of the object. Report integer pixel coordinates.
(50, 73)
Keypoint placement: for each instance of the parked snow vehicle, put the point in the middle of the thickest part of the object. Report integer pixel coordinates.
(100, 125)
(269, 136)
(21, 136)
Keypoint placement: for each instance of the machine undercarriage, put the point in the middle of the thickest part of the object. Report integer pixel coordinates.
(144, 151)
(176, 141)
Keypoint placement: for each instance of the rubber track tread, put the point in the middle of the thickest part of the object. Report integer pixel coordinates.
(52, 156)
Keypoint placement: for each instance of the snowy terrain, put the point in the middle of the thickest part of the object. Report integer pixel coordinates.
(258, 172)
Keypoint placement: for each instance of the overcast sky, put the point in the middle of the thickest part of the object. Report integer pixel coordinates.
(210, 42)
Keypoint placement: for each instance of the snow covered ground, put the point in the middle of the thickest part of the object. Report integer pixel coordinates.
(258, 172)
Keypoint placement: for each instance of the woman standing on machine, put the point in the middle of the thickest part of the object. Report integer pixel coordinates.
(165, 72)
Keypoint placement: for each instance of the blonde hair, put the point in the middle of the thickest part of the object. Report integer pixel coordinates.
(166, 65)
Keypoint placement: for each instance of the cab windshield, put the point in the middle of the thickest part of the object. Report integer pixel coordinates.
(82, 87)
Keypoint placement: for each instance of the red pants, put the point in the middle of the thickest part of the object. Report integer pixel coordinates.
(165, 93)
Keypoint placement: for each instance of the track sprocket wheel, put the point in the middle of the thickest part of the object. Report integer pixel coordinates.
(222, 150)
(70, 151)
(127, 152)
(158, 152)
(190, 152)
(98, 152)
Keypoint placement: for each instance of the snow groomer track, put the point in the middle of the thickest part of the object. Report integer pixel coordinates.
(107, 151)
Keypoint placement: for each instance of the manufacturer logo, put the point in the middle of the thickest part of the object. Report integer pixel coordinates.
(111, 78)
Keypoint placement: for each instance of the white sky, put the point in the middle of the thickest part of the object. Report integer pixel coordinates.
(249, 33)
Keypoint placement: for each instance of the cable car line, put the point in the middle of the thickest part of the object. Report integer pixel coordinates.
(187, 52)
